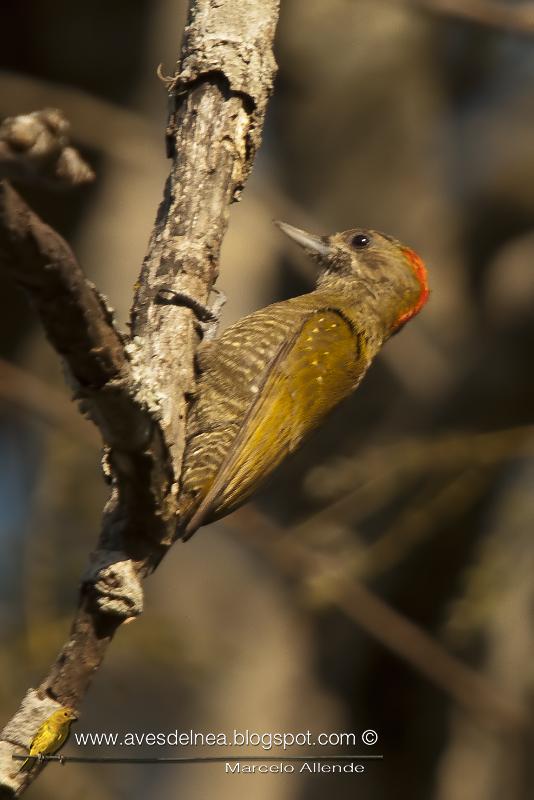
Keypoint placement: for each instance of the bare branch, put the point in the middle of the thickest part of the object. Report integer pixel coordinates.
(135, 390)
(42, 263)
(219, 95)
(77, 321)
(36, 147)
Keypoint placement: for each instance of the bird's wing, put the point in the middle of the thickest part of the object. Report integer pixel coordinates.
(41, 740)
(49, 738)
(319, 366)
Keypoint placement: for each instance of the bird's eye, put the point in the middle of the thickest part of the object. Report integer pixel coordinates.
(360, 241)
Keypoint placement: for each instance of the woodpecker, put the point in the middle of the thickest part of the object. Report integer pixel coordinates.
(273, 376)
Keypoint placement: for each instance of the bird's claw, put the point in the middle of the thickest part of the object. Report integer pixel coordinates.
(207, 317)
(219, 302)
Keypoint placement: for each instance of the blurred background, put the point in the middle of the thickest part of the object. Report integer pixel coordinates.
(383, 579)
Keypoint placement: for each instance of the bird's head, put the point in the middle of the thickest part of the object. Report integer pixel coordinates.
(66, 714)
(391, 276)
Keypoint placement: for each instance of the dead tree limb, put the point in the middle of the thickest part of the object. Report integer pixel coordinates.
(35, 147)
(135, 388)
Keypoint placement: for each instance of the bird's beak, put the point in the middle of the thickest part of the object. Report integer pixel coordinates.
(315, 245)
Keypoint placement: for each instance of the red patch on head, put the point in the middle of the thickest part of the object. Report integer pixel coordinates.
(421, 275)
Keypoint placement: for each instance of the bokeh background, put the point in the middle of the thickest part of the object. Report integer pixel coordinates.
(384, 578)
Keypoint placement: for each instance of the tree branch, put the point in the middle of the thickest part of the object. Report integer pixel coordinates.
(35, 147)
(135, 389)
(43, 264)
(218, 95)
(79, 326)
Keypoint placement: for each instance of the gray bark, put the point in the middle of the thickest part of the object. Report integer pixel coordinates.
(135, 388)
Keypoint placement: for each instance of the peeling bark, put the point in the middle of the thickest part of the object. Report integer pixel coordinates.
(135, 388)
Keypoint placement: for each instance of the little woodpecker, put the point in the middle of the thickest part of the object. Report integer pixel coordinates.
(273, 376)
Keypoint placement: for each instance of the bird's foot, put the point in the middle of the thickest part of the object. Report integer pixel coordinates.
(206, 317)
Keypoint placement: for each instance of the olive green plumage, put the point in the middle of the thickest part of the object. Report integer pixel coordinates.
(273, 376)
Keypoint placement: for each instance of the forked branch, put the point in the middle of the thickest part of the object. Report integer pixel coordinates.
(135, 388)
